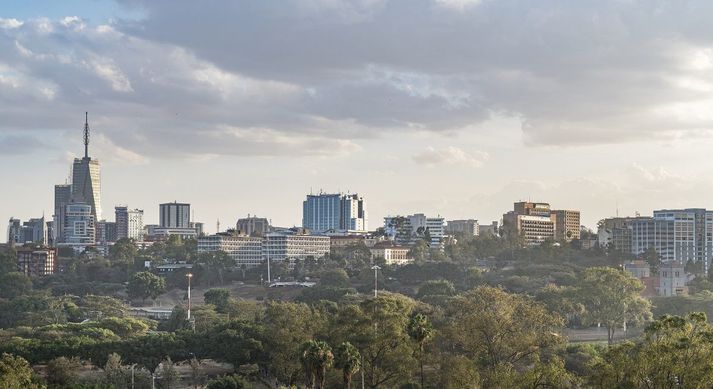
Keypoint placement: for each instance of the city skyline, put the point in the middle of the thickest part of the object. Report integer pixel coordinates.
(234, 137)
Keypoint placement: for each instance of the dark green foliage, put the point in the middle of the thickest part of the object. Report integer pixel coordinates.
(229, 382)
(14, 284)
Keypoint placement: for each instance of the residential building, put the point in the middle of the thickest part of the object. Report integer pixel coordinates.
(129, 223)
(391, 254)
(62, 197)
(243, 249)
(334, 212)
(36, 262)
(468, 227)
(253, 225)
(567, 225)
(638, 268)
(294, 245)
(407, 230)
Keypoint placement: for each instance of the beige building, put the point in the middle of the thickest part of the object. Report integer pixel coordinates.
(243, 249)
(532, 222)
(567, 224)
(391, 254)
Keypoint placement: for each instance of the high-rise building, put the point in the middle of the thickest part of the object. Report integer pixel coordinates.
(253, 225)
(466, 227)
(36, 262)
(79, 225)
(334, 212)
(243, 249)
(174, 215)
(86, 178)
(567, 224)
(32, 231)
(407, 230)
(677, 235)
(129, 223)
(62, 197)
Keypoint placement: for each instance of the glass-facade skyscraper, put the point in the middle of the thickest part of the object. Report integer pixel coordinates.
(86, 184)
(334, 212)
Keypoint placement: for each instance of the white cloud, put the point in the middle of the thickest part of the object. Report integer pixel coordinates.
(10, 23)
(450, 155)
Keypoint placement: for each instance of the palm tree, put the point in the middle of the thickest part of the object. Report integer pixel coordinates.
(420, 330)
(316, 358)
(347, 359)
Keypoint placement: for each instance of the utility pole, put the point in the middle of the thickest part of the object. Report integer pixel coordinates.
(189, 275)
(376, 269)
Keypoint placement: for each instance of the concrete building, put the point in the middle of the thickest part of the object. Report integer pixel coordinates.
(243, 249)
(468, 227)
(294, 245)
(334, 212)
(86, 184)
(638, 268)
(62, 197)
(252, 225)
(567, 225)
(615, 234)
(672, 279)
(36, 262)
(129, 223)
(492, 229)
(80, 226)
(532, 222)
(406, 230)
(105, 232)
(174, 215)
(391, 254)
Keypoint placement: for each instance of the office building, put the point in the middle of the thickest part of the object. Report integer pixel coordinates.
(390, 254)
(79, 225)
(252, 225)
(241, 248)
(294, 245)
(334, 212)
(407, 230)
(106, 232)
(567, 225)
(129, 223)
(62, 197)
(36, 262)
(32, 231)
(492, 229)
(533, 223)
(86, 178)
(174, 215)
(462, 227)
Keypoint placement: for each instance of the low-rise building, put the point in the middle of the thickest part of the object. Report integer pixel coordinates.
(243, 249)
(294, 245)
(391, 254)
(36, 262)
(672, 279)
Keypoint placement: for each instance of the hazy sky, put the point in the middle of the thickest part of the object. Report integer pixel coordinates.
(450, 107)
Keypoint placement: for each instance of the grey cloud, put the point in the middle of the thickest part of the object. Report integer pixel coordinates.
(19, 144)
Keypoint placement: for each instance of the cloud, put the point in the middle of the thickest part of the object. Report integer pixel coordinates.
(450, 155)
(19, 145)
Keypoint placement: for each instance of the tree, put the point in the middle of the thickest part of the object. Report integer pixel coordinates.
(220, 298)
(436, 288)
(675, 352)
(217, 263)
(62, 371)
(124, 251)
(114, 374)
(612, 297)
(419, 251)
(420, 330)
(169, 375)
(229, 382)
(8, 261)
(459, 372)
(316, 357)
(500, 330)
(14, 284)
(144, 285)
(16, 373)
(197, 375)
(347, 359)
(653, 259)
(336, 278)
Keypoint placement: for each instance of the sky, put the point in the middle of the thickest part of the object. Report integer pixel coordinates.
(455, 108)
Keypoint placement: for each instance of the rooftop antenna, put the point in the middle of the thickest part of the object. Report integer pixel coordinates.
(217, 226)
(86, 134)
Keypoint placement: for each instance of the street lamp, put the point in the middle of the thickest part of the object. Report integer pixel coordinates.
(189, 275)
(376, 269)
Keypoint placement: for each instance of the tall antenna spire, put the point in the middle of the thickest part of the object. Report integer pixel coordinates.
(86, 134)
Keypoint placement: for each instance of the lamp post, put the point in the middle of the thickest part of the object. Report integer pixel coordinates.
(132, 375)
(376, 269)
(189, 275)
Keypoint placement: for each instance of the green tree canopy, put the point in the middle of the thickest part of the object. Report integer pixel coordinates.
(16, 373)
(14, 284)
(143, 285)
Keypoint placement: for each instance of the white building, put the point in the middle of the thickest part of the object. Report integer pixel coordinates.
(406, 230)
(129, 223)
(280, 246)
(243, 249)
(672, 280)
(334, 212)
